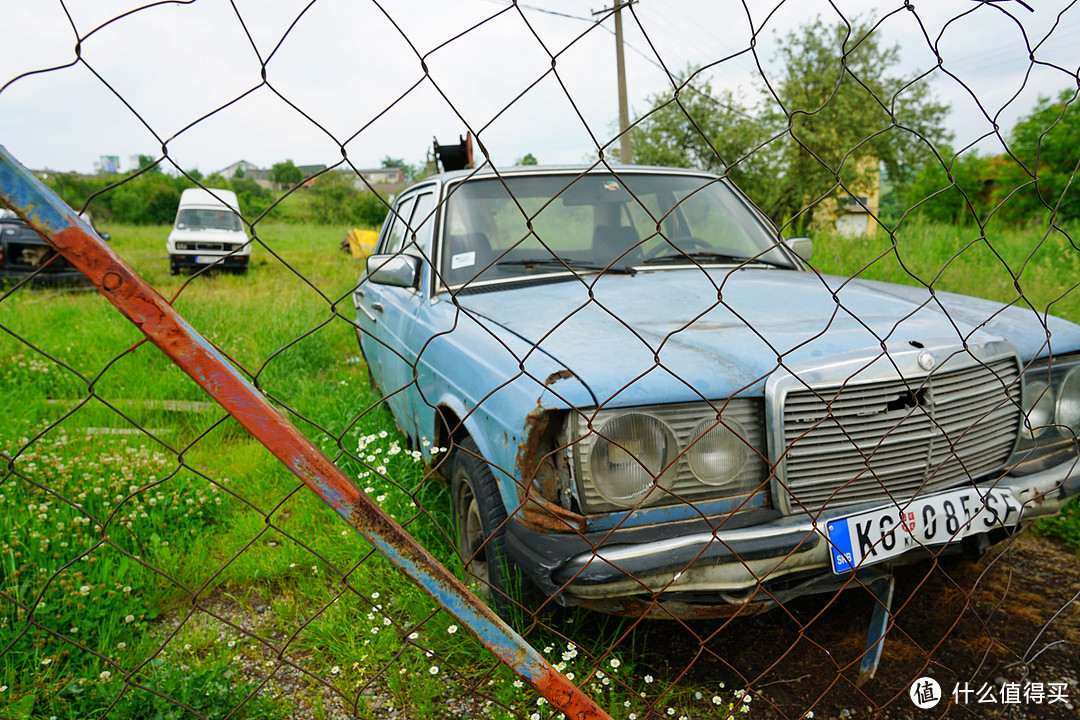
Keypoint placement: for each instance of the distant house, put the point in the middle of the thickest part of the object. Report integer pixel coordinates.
(856, 216)
(384, 176)
(852, 215)
(250, 171)
(240, 166)
(310, 171)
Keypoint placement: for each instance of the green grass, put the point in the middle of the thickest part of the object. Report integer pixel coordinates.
(1025, 266)
(126, 496)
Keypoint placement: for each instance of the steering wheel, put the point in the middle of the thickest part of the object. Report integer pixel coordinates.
(683, 242)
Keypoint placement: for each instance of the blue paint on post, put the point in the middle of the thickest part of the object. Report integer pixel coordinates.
(510, 647)
(31, 197)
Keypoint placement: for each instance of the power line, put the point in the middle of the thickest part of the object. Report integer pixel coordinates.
(678, 81)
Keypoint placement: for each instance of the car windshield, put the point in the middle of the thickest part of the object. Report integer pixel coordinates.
(205, 219)
(524, 226)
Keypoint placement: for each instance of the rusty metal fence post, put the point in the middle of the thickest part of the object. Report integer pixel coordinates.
(163, 325)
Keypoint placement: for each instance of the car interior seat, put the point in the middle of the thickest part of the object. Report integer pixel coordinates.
(616, 244)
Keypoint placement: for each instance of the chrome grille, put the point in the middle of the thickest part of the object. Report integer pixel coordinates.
(866, 442)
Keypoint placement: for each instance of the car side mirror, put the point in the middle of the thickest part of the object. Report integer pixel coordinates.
(396, 270)
(801, 246)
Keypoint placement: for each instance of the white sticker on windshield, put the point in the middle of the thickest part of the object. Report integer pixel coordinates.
(461, 260)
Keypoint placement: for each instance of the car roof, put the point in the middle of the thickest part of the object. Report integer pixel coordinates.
(212, 197)
(487, 171)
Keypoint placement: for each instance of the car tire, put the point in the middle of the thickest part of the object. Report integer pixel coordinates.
(479, 519)
(174, 269)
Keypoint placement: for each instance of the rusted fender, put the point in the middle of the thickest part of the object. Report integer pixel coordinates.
(61, 227)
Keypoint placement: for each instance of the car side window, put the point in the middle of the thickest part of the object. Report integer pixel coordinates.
(396, 232)
(421, 223)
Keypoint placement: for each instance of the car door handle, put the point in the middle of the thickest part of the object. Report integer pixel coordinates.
(359, 292)
(377, 306)
(363, 308)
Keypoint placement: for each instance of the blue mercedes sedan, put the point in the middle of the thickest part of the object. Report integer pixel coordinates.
(655, 406)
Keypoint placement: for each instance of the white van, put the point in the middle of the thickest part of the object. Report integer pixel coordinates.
(208, 231)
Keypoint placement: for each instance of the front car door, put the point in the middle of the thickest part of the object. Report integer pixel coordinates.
(387, 313)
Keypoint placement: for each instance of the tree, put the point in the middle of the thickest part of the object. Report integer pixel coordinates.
(529, 159)
(149, 163)
(823, 126)
(698, 128)
(1034, 178)
(1046, 148)
(286, 174)
(844, 115)
(958, 190)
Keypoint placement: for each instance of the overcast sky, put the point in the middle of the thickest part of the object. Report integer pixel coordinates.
(349, 72)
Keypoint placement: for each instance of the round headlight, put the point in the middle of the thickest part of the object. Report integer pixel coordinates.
(1068, 400)
(720, 452)
(630, 456)
(1039, 408)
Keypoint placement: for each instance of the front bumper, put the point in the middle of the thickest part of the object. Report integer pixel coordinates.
(205, 259)
(772, 560)
(45, 278)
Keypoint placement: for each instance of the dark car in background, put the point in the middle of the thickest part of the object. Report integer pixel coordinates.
(25, 256)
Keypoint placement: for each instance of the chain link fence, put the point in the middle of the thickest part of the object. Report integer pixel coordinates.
(696, 467)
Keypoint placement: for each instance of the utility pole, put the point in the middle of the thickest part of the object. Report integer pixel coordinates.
(626, 151)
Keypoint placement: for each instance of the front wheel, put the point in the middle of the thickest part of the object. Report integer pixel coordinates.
(480, 518)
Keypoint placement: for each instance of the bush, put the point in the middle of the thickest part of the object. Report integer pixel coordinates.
(152, 198)
(254, 198)
(335, 201)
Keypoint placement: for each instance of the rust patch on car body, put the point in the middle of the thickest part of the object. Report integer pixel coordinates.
(555, 377)
(544, 471)
(633, 607)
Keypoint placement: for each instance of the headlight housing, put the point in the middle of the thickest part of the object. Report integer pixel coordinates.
(630, 453)
(1051, 412)
(668, 454)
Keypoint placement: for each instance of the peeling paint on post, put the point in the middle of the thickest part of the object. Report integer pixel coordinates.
(158, 320)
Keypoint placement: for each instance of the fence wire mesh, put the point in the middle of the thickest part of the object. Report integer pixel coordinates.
(703, 470)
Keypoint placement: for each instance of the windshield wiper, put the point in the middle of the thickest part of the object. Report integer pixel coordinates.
(572, 264)
(709, 256)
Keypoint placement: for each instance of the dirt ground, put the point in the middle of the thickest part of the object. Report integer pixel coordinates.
(1013, 617)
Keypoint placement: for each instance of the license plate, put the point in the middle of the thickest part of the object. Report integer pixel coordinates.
(206, 259)
(877, 535)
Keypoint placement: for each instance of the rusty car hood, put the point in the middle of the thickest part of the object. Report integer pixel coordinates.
(680, 335)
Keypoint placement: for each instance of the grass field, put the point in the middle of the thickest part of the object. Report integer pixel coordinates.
(127, 495)
(1026, 266)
